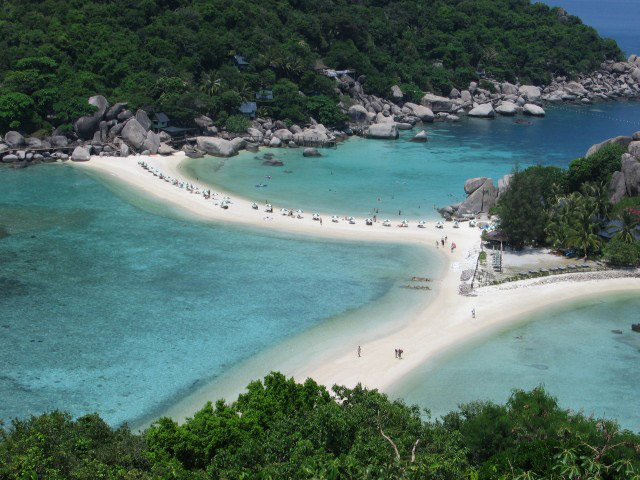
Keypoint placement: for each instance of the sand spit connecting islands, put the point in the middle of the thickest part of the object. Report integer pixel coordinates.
(442, 322)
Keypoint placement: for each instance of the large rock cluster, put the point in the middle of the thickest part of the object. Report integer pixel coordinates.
(110, 130)
(626, 181)
(117, 125)
(613, 80)
(482, 195)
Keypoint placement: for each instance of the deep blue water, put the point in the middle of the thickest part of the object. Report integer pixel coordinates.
(106, 307)
(617, 19)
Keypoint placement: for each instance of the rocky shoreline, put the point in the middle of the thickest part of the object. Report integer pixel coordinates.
(117, 131)
(483, 194)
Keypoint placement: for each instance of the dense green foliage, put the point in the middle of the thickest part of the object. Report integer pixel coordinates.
(281, 429)
(597, 168)
(177, 55)
(619, 252)
(568, 209)
(522, 208)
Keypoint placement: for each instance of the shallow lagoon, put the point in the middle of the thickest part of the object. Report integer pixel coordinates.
(572, 350)
(107, 307)
(362, 175)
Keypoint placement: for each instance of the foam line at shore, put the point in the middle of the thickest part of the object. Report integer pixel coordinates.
(443, 323)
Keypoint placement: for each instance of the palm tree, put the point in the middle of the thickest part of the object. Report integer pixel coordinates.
(244, 91)
(601, 204)
(629, 224)
(583, 232)
(211, 84)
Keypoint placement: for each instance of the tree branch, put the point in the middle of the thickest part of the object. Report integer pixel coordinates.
(413, 451)
(395, 449)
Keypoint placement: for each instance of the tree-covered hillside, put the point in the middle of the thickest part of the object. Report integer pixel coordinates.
(177, 55)
(283, 430)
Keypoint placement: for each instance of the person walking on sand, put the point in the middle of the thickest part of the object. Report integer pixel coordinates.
(320, 220)
(400, 353)
(396, 352)
(359, 350)
(473, 313)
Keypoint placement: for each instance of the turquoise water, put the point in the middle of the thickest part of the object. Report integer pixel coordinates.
(106, 307)
(362, 175)
(572, 351)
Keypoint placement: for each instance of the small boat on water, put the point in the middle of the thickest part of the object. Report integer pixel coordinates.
(268, 208)
(422, 224)
(316, 216)
(261, 185)
(254, 206)
(386, 223)
(439, 225)
(335, 218)
(369, 221)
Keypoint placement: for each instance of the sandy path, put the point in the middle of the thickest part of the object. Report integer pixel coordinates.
(443, 323)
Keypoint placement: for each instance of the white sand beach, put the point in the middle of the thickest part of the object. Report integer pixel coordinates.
(442, 323)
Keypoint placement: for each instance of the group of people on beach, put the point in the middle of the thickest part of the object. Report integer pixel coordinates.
(398, 352)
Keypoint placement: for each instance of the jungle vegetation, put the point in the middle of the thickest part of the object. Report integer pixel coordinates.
(567, 209)
(177, 56)
(280, 429)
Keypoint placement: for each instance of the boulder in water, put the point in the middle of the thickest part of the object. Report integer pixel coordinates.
(382, 131)
(507, 108)
(218, 147)
(533, 110)
(311, 152)
(420, 137)
(483, 111)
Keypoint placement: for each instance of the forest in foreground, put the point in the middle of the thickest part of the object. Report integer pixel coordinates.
(280, 429)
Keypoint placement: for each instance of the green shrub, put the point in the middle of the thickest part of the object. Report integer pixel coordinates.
(618, 252)
(237, 124)
(487, 85)
(597, 168)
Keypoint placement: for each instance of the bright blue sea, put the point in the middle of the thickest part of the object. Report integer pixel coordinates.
(106, 307)
(392, 175)
(112, 304)
(572, 351)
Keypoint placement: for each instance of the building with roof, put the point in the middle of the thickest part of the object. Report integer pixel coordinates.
(160, 120)
(241, 62)
(264, 95)
(249, 109)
